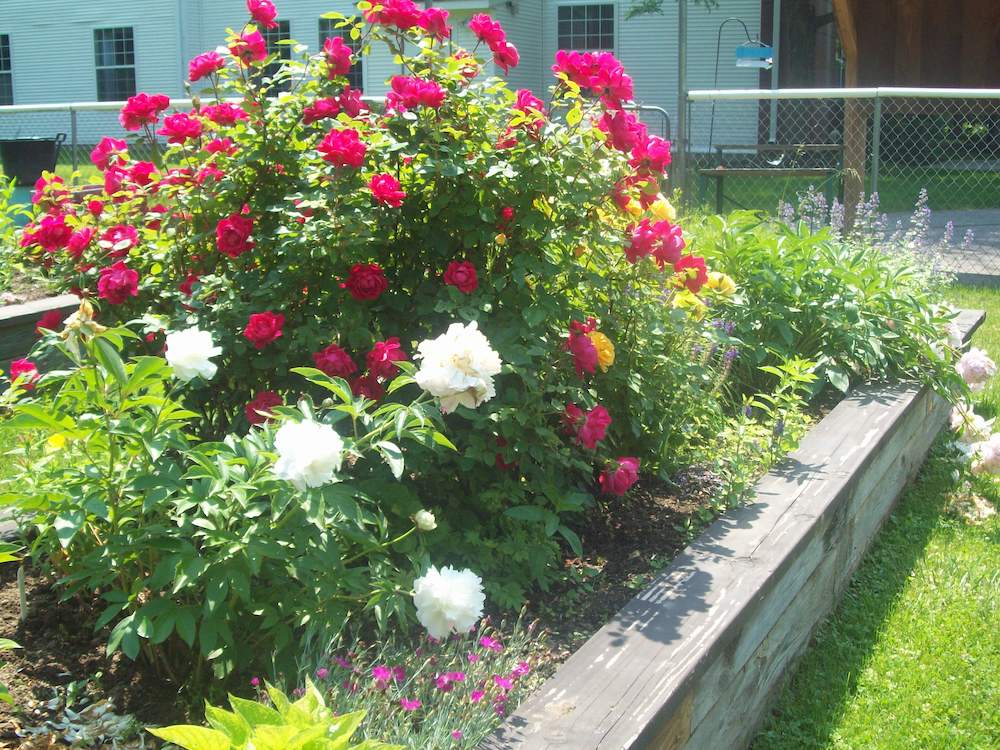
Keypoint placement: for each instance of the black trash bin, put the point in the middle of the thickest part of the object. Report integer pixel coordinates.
(25, 159)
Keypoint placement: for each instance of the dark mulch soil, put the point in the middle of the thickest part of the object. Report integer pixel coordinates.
(626, 541)
(59, 647)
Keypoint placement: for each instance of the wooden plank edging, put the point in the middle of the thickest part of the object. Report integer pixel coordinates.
(17, 324)
(695, 659)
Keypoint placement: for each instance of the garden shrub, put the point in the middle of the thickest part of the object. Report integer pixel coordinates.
(302, 225)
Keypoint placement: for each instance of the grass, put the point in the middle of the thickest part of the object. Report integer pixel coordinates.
(910, 657)
(948, 190)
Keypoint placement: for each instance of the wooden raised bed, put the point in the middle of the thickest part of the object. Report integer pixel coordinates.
(17, 324)
(695, 660)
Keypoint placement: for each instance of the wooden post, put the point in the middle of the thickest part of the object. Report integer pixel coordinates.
(855, 113)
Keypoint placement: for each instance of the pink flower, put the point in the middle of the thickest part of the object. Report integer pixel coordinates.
(50, 321)
(521, 670)
(262, 402)
(651, 155)
(624, 130)
(409, 705)
(491, 644)
(619, 480)
(320, 109)
(472, 657)
(503, 683)
(224, 113)
(578, 344)
(445, 682)
(95, 208)
(350, 102)
(221, 146)
(692, 272)
(590, 428)
(435, 22)
(336, 363)
(343, 147)
(457, 735)
(487, 30)
(462, 275)
(382, 675)
(180, 127)
(343, 663)
(49, 189)
(25, 370)
(506, 56)
(142, 172)
(386, 190)
(117, 283)
(51, 233)
(255, 682)
(408, 93)
(366, 281)
(529, 103)
(382, 359)
(118, 240)
(338, 56)
(263, 328)
(322, 673)
(79, 241)
(109, 151)
(232, 235)
(263, 12)
(205, 64)
(367, 386)
(249, 48)
(476, 695)
(601, 74)
(142, 109)
(403, 14)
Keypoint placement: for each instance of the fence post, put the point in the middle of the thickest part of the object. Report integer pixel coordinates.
(876, 142)
(681, 166)
(73, 139)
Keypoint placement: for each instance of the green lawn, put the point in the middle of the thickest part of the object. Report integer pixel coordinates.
(910, 659)
(898, 189)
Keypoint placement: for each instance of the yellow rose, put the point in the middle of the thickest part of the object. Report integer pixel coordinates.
(686, 300)
(605, 349)
(721, 283)
(501, 239)
(633, 207)
(663, 210)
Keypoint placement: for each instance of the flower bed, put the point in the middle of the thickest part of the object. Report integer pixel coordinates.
(19, 323)
(694, 660)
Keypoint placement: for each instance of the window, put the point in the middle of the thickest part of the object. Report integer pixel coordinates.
(6, 76)
(327, 30)
(114, 58)
(589, 28)
(282, 32)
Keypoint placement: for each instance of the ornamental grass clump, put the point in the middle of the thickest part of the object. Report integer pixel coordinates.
(297, 223)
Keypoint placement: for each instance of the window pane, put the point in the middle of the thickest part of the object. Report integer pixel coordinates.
(328, 30)
(115, 84)
(589, 27)
(4, 53)
(6, 89)
(114, 47)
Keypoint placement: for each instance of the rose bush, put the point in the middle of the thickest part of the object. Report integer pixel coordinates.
(299, 224)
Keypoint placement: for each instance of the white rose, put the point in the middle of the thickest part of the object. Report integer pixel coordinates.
(425, 520)
(189, 353)
(448, 600)
(308, 453)
(976, 368)
(458, 367)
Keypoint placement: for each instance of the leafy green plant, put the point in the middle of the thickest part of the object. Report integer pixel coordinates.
(306, 724)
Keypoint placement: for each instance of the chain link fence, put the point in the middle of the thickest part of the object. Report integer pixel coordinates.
(858, 151)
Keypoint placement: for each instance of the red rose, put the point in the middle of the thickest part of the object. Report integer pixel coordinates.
(506, 56)
(142, 109)
(408, 92)
(338, 56)
(180, 127)
(224, 113)
(350, 102)
(581, 347)
(108, 151)
(343, 147)
(51, 233)
(141, 173)
(232, 235)
(594, 428)
(50, 321)
(487, 30)
(95, 207)
(462, 275)
(367, 386)
(498, 459)
(118, 240)
(263, 328)
(117, 283)
(204, 65)
(386, 190)
(403, 14)
(221, 146)
(572, 417)
(187, 286)
(381, 360)
(320, 110)
(366, 281)
(692, 272)
(619, 480)
(79, 241)
(335, 362)
(249, 48)
(435, 22)
(262, 402)
(263, 12)
(26, 370)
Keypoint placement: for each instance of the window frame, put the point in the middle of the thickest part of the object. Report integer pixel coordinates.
(357, 73)
(573, 4)
(98, 68)
(8, 71)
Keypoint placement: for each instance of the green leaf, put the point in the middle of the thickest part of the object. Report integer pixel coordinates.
(232, 724)
(191, 737)
(67, 525)
(838, 379)
(255, 713)
(392, 455)
(572, 539)
(185, 625)
(527, 513)
(108, 356)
